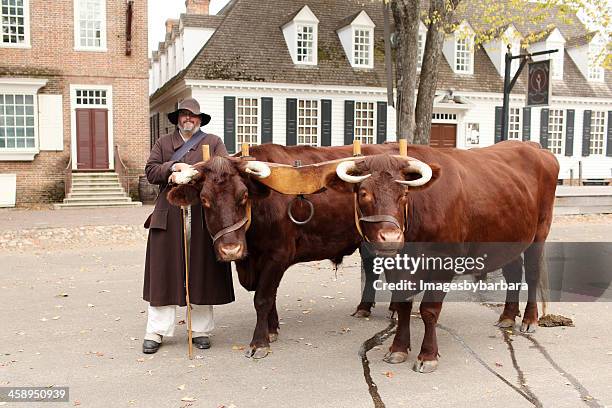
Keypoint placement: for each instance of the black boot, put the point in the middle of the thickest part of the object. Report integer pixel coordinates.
(201, 342)
(150, 346)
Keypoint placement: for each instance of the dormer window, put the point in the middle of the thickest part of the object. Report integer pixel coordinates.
(464, 50)
(301, 33)
(596, 53)
(363, 47)
(356, 34)
(305, 43)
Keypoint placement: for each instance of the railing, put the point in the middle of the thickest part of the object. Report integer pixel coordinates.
(68, 177)
(122, 171)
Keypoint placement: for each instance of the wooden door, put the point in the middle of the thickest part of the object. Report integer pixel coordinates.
(443, 135)
(92, 139)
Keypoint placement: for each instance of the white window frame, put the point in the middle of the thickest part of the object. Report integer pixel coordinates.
(469, 44)
(23, 86)
(109, 125)
(358, 128)
(103, 27)
(26, 29)
(558, 130)
(317, 127)
(595, 72)
(514, 123)
(313, 49)
(257, 123)
(370, 45)
(598, 133)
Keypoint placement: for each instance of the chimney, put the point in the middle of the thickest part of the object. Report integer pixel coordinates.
(197, 6)
(170, 24)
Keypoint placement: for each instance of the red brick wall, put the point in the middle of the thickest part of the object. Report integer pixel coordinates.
(52, 56)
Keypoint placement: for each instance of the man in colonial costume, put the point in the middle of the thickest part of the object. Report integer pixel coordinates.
(210, 282)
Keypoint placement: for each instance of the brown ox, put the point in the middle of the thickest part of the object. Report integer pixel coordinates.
(227, 186)
(502, 193)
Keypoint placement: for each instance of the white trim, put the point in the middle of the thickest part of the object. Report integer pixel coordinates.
(108, 106)
(374, 119)
(315, 43)
(258, 123)
(29, 86)
(297, 118)
(103, 28)
(26, 21)
(370, 31)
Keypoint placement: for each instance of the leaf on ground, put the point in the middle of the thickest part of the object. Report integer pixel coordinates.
(327, 297)
(63, 295)
(117, 319)
(44, 319)
(191, 366)
(305, 311)
(91, 305)
(140, 360)
(388, 374)
(188, 399)
(77, 403)
(237, 347)
(498, 364)
(181, 387)
(181, 322)
(133, 338)
(199, 357)
(56, 317)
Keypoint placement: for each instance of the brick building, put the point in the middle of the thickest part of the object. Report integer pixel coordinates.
(313, 72)
(73, 85)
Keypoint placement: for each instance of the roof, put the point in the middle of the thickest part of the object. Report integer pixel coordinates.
(580, 40)
(201, 20)
(260, 53)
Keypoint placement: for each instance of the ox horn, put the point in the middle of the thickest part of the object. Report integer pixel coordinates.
(419, 167)
(185, 176)
(342, 171)
(257, 168)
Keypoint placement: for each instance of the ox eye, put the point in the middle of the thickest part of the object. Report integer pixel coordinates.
(243, 198)
(205, 202)
(364, 195)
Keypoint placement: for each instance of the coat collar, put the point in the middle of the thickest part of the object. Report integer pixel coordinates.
(177, 140)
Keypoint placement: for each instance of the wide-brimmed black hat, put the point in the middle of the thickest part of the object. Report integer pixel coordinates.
(192, 106)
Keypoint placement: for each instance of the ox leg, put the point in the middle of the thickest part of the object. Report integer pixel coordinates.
(398, 352)
(273, 325)
(430, 308)
(534, 260)
(364, 308)
(513, 273)
(264, 302)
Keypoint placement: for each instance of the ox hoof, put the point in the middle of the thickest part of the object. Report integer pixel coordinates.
(505, 323)
(529, 327)
(257, 352)
(391, 314)
(395, 357)
(428, 366)
(273, 337)
(360, 313)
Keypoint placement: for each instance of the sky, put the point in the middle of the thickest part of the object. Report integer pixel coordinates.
(161, 10)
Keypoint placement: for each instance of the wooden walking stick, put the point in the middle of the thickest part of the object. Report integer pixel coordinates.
(186, 245)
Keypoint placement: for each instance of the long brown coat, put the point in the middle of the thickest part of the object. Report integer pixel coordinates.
(210, 282)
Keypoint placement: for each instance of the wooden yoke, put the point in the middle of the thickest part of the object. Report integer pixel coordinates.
(205, 152)
(302, 180)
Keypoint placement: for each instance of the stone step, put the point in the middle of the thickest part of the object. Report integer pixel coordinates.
(97, 205)
(94, 189)
(96, 195)
(118, 199)
(595, 209)
(579, 201)
(96, 184)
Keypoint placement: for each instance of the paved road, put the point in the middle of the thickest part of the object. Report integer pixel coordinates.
(72, 315)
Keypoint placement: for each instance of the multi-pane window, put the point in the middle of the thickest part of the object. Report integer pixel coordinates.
(595, 69)
(247, 121)
(91, 97)
(308, 122)
(90, 23)
(13, 22)
(305, 43)
(598, 119)
(555, 131)
(17, 121)
(514, 124)
(362, 47)
(420, 50)
(462, 55)
(364, 122)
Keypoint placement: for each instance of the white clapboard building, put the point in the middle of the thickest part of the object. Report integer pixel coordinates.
(312, 73)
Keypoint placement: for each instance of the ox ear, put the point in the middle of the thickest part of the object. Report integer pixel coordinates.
(256, 189)
(409, 174)
(333, 182)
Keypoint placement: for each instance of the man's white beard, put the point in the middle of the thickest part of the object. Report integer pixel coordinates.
(189, 129)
